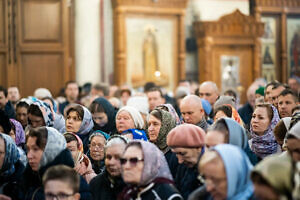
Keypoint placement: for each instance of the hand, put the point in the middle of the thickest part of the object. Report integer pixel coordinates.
(3, 197)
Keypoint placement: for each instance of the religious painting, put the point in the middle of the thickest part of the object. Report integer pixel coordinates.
(230, 72)
(151, 47)
(269, 42)
(293, 45)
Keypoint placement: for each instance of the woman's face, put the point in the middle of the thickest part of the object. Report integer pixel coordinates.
(219, 114)
(100, 118)
(2, 152)
(112, 159)
(36, 121)
(154, 125)
(12, 134)
(73, 147)
(34, 153)
(215, 179)
(124, 121)
(260, 120)
(73, 122)
(97, 148)
(132, 169)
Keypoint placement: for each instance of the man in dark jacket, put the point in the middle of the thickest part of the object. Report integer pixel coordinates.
(5, 104)
(109, 184)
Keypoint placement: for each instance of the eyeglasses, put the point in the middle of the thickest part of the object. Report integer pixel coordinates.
(132, 161)
(210, 180)
(99, 146)
(60, 196)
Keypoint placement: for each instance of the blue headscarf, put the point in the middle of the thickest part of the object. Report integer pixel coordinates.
(238, 168)
(46, 110)
(98, 132)
(137, 134)
(11, 156)
(237, 134)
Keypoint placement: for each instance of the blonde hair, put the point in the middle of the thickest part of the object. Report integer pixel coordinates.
(209, 156)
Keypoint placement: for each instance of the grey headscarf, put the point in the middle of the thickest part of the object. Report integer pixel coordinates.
(56, 143)
(155, 164)
(237, 134)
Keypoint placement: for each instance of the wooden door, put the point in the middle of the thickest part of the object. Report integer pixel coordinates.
(41, 49)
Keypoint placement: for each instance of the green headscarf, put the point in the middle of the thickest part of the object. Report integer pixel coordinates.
(167, 124)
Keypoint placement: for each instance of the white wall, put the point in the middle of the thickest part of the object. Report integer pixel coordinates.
(87, 41)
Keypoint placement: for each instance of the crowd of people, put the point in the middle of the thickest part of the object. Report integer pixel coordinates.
(109, 142)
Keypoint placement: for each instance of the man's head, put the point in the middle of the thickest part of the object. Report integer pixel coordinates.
(61, 182)
(3, 97)
(268, 90)
(251, 94)
(13, 94)
(187, 142)
(100, 90)
(276, 90)
(287, 100)
(209, 91)
(72, 91)
(191, 109)
(294, 83)
(155, 97)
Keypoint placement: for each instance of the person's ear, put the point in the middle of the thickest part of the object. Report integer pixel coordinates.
(77, 196)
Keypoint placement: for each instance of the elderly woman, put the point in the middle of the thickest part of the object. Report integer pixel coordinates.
(145, 170)
(104, 115)
(11, 167)
(160, 123)
(227, 130)
(129, 118)
(79, 121)
(46, 147)
(109, 184)
(264, 119)
(225, 170)
(82, 163)
(96, 150)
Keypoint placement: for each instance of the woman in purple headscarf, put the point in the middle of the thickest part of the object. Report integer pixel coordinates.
(146, 172)
(17, 133)
(264, 119)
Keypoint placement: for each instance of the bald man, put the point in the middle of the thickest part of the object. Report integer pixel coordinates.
(209, 91)
(192, 111)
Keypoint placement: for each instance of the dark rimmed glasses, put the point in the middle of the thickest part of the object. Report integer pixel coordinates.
(132, 161)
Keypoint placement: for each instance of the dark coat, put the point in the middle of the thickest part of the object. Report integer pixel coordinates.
(159, 189)
(246, 114)
(172, 162)
(10, 110)
(31, 183)
(186, 180)
(9, 185)
(102, 188)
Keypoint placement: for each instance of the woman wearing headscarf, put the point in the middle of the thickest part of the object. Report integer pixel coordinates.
(227, 110)
(96, 150)
(104, 115)
(227, 130)
(82, 163)
(17, 133)
(11, 167)
(225, 170)
(264, 119)
(79, 121)
(160, 123)
(129, 118)
(272, 178)
(46, 147)
(145, 170)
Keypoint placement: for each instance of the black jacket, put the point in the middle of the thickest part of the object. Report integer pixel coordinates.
(9, 185)
(31, 183)
(103, 188)
(186, 180)
(172, 162)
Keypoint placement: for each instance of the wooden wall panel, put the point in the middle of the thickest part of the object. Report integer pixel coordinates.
(2, 69)
(2, 22)
(41, 21)
(43, 70)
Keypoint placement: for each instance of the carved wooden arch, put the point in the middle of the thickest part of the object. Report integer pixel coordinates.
(157, 8)
(234, 30)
